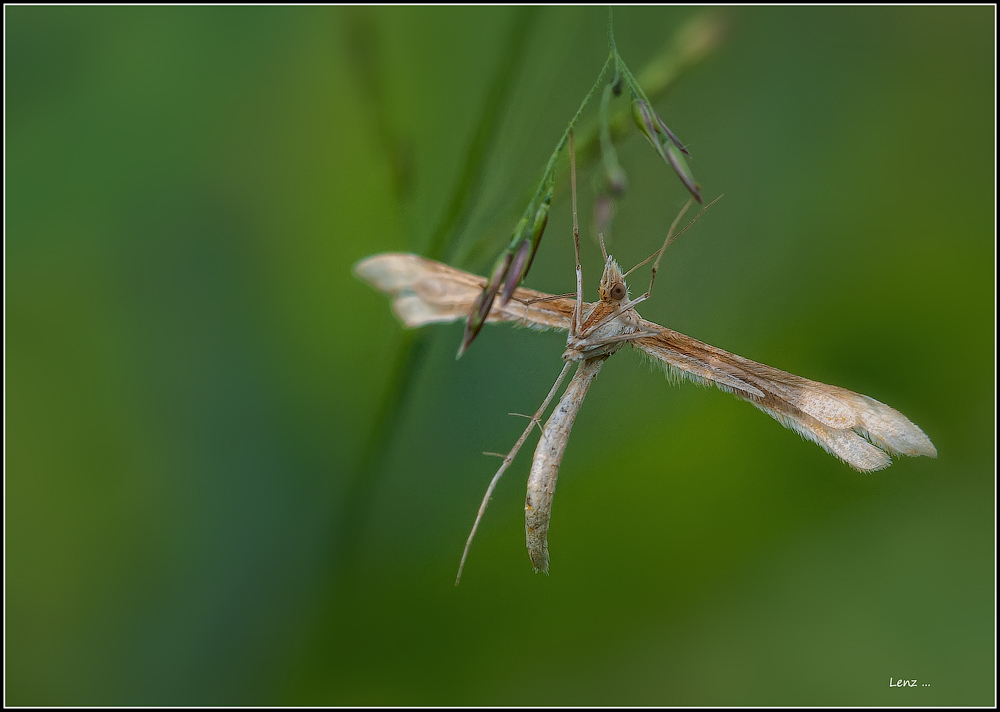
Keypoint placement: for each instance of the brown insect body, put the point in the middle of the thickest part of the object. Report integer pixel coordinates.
(548, 457)
(859, 430)
(605, 321)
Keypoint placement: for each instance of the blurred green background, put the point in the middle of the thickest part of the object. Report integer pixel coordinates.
(232, 478)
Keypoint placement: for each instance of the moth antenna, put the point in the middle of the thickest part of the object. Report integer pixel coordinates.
(656, 265)
(671, 237)
(670, 232)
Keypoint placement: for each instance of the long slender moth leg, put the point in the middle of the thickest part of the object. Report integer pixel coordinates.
(575, 326)
(613, 315)
(548, 456)
(656, 265)
(670, 238)
(617, 338)
(506, 463)
(529, 302)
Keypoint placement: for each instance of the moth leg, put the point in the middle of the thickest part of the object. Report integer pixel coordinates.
(535, 420)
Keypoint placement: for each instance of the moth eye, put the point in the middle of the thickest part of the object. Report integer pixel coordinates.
(617, 291)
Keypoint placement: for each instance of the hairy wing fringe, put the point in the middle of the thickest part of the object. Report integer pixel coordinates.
(855, 428)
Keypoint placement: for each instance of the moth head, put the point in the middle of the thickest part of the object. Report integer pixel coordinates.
(613, 288)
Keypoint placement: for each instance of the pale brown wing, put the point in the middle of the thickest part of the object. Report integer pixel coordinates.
(846, 424)
(426, 292)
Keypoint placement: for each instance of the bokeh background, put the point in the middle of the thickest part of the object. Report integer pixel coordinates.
(232, 477)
